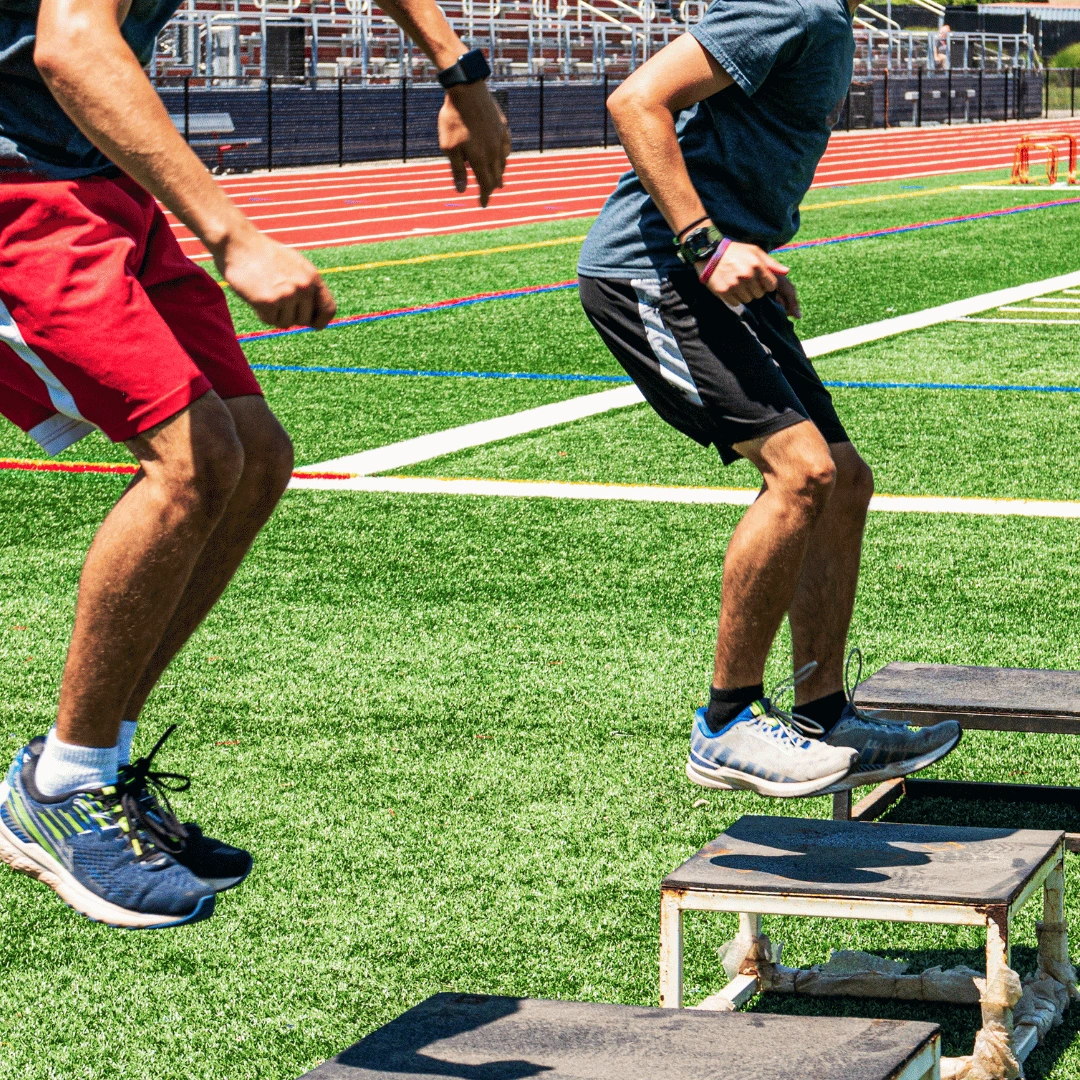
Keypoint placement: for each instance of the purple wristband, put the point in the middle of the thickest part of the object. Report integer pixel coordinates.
(714, 261)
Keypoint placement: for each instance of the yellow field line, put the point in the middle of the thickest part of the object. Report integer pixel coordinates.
(562, 240)
(453, 255)
(885, 198)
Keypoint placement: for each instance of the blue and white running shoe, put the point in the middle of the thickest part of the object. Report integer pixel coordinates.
(765, 750)
(89, 848)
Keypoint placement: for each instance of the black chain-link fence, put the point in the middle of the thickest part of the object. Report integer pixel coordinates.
(274, 123)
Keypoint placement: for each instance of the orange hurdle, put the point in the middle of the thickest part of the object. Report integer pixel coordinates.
(1049, 142)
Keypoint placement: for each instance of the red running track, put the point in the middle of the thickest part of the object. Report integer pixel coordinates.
(327, 207)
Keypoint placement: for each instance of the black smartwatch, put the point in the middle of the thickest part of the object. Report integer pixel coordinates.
(470, 68)
(699, 245)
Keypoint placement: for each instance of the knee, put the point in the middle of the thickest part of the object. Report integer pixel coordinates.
(811, 477)
(854, 481)
(268, 457)
(196, 458)
(215, 470)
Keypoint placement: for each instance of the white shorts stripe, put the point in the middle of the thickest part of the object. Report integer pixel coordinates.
(59, 395)
(673, 366)
(59, 432)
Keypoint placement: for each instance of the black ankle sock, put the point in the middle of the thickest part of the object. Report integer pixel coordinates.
(725, 705)
(824, 710)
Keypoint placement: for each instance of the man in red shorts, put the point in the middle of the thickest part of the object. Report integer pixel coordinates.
(104, 323)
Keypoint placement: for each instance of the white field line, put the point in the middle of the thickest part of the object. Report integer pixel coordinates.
(1055, 300)
(1026, 322)
(1042, 310)
(919, 320)
(425, 447)
(411, 451)
(551, 489)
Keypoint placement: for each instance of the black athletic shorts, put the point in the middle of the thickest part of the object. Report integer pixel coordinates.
(719, 374)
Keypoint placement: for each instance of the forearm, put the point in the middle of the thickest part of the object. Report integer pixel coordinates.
(98, 82)
(648, 136)
(425, 24)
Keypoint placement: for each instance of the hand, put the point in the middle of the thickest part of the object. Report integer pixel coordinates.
(282, 287)
(473, 131)
(745, 273)
(789, 301)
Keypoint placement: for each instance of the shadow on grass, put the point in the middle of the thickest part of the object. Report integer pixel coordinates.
(984, 815)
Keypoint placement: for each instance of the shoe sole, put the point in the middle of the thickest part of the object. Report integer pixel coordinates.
(34, 861)
(223, 884)
(895, 770)
(725, 779)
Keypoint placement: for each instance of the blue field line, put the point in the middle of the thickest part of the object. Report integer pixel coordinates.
(842, 384)
(534, 375)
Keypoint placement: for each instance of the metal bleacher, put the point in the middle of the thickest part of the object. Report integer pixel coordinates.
(232, 41)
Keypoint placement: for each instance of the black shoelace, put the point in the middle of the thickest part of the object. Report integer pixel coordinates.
(144, 795)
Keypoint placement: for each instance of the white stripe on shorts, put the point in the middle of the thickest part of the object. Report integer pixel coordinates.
(58, 432)
(59, 395)
(673, 366)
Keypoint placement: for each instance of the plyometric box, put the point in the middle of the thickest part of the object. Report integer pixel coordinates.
(980, 698)
(474, 1037)
(881, 871)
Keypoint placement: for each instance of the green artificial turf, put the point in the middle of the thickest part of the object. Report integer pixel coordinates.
(331, 415)
(452, 730)
(919, 442)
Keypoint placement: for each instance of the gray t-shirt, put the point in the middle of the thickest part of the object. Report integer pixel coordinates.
(751, 149)
(36, 135)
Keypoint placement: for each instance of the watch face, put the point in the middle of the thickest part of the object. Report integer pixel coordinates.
(698, 243)
(474, 66)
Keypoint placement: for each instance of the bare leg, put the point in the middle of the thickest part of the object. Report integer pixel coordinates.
(141, 561)
(268, 462)
(820, 612)
(765, 556)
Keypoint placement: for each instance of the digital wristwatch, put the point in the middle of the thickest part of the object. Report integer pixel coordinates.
(699, 245)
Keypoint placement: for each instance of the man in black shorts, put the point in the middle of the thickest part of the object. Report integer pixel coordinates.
(724, 129)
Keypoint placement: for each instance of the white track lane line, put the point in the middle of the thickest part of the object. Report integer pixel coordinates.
(552, 489)
(337, 241)
(425, 447)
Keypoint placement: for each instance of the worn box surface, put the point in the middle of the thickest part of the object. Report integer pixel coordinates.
(868, 860)
(472, 1037)
(1010, 699)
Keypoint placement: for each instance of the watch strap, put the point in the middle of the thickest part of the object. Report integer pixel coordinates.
(471, 67)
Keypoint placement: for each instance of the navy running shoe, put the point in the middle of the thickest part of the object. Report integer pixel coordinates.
(217, 864)
(887, 748)
(88, 847)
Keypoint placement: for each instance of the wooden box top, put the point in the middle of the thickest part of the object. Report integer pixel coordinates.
(474, 1037)
(868, 860)
(960, 688)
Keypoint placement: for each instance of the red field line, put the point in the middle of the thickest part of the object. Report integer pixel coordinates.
(328, 207)
(108, 468)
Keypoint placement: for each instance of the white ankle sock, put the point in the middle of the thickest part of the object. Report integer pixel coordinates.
(127, 737)
(63, 767)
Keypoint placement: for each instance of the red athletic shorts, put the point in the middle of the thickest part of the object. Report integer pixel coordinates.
(104, 322)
